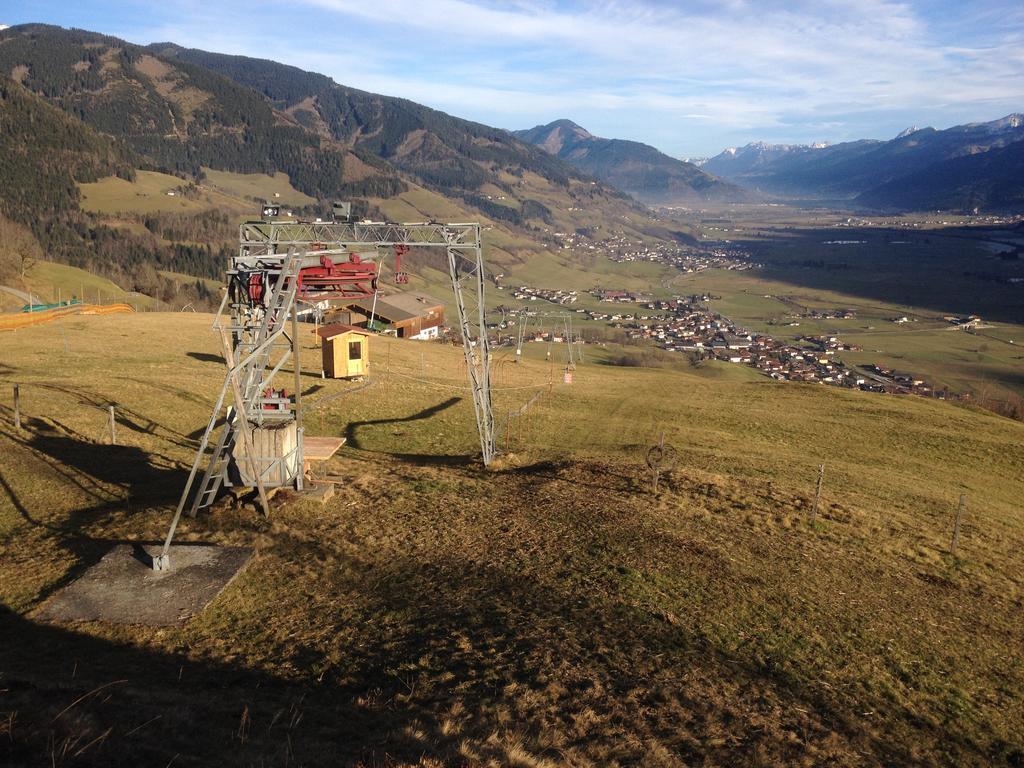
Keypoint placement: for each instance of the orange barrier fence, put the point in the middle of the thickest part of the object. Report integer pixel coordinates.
(12, 322)
(106, 309)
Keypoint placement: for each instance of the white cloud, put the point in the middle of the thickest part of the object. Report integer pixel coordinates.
(838, 54)
(743, 65)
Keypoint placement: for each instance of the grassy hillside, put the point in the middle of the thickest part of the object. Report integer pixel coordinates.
(51, 282)
(214, 286)
(146, 193)
(258, 186)
(549, 611)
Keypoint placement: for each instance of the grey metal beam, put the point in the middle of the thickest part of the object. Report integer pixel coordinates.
(266, 236)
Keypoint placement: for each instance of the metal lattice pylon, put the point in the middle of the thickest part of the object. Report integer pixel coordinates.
(247, 345)
(257, 332)
(466, 269)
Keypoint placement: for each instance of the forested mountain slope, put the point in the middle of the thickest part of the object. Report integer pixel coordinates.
(992, 180)
(46, 155)
(441, 150)
(178, 116)
(176, 111)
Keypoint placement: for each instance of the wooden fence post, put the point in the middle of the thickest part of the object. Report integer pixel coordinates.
(17, 406)
(113, 427)
(817, 492)
(657, 467)
(956, 525)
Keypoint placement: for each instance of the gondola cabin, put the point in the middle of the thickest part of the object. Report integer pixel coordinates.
(345, 351)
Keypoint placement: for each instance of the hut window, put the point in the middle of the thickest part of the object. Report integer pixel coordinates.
(355, 350)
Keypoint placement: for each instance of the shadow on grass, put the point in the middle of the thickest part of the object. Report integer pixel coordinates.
(123, 415)
(148, 479)
(561, 471)
(82, 551)
(400, 656)
(415, 640)
(197, 434)
(86, 701)
(118, 480)
(353, 428)
(206, 357)
(114, 704)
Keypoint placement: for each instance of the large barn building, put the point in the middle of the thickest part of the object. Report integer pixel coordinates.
(411, 315)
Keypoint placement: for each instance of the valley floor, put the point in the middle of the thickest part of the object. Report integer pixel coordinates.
(550, 610)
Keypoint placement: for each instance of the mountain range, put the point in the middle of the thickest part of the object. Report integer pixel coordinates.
(966, 167)
(79, 106)
(180, 111)
(638, 169)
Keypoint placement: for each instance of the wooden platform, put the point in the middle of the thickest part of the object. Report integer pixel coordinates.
(319, 449)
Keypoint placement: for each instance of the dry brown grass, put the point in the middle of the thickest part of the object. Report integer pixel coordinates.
(550, 611)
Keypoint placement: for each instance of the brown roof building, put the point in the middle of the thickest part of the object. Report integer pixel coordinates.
(411, 315)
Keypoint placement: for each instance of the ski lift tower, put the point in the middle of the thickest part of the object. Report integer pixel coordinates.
(279, 262)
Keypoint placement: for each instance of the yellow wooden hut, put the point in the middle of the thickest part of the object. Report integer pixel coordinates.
(345, 351)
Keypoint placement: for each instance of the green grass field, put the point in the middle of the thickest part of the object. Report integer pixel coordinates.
(260, 186)
(52, 282)
(147, 194)
(221, 189)
(551, 610)
(566, 272)
(981, 362)
(215, 286)
(419, 204)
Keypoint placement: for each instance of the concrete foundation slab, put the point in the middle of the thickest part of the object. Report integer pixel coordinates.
(123, 588)
(322, 492)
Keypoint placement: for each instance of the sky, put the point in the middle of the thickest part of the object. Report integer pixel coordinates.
(690, 78)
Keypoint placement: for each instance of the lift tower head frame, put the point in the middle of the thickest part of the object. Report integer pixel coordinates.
(280, 261)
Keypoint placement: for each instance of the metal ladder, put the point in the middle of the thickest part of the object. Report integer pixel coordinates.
(217, 469)
(249, 373)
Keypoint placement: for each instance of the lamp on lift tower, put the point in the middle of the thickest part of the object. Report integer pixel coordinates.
(271, 211)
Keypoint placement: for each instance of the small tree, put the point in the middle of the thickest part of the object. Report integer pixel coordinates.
(19, 251)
